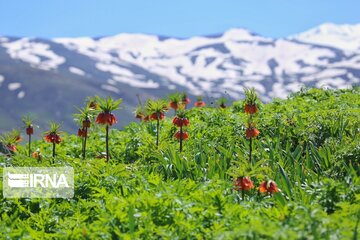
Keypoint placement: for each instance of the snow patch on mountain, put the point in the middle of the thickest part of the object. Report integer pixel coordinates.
(3, 39)
(21, 95)
(343, 36)
(110, 88)
(2, 79)
(14, 86)
(77, 71)
(37, 54)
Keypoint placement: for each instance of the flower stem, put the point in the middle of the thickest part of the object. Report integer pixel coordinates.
(53, 152)
(181, 143)
(84, 147)
(243, 195)
(157, 130)
(29, 145)
(250, 150)
(107, 143)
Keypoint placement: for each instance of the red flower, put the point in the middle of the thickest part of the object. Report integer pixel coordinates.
(252, 132)
(82, 132)
(18, 138)
(139, 116)
(222, 105)
(157, 116)
(53, 138)
(251, 108)
(94, 105)
(199, 104)
(243, 183)
(102, 156)
(12, 147)
(36, 155)
(268, 187)
(145, 119)
(186, 100)
(86, 123)
(106, 118)
(180, 121)
(174, 105)
(30, 130)
(184, 135)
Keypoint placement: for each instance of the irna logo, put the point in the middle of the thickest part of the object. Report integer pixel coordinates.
(37, 180)
(52, 182)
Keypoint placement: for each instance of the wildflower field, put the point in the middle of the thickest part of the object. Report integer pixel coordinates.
(288, 169)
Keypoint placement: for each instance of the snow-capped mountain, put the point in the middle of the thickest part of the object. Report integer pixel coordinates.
(221, 65)
(345, 37)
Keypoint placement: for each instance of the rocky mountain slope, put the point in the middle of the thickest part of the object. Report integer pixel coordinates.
(48, 77)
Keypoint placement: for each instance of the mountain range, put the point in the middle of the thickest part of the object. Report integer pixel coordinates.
(49, 77)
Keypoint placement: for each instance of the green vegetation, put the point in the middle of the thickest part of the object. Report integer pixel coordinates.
(309, 145)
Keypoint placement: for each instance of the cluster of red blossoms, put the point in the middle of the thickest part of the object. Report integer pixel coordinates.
(251, 132)
(251, 108)
(157, 116)
(52, 137)
(181, 122)
(82, 132)
(106, 118)
(199, 102)
(30, 130)
(245, 184)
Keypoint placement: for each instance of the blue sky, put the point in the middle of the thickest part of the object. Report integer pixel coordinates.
(183, 18)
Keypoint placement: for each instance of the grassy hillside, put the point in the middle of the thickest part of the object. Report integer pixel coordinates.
(309, 145)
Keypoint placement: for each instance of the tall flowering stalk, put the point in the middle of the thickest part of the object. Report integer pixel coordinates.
(156, 111)
(84, 118)
(53, 136)
(29, 128)
(106, 117)
(251, 108)
(180, 121)
(175, 102)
